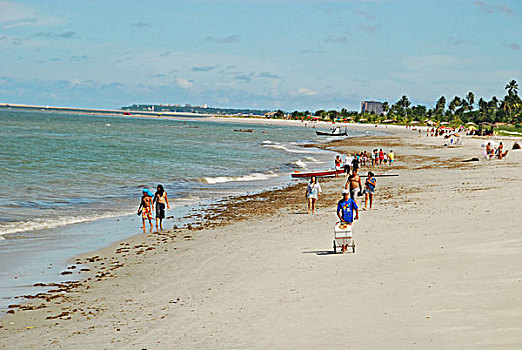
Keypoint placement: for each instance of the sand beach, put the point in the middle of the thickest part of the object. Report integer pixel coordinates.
(437, 267)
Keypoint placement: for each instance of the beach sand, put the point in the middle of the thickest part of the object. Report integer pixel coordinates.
(437, 267)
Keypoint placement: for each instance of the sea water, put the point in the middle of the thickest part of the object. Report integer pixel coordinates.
(71, 183)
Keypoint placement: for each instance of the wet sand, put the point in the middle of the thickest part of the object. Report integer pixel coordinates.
(437, 266)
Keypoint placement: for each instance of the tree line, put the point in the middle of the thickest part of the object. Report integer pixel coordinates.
(459, 110)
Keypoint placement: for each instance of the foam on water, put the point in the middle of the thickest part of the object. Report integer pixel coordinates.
(250, 177)
(38, 224)
(286, 148)
(301, 164)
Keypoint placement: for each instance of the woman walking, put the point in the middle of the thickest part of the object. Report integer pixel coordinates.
(369, 190)
(160, 199)
(312, 194)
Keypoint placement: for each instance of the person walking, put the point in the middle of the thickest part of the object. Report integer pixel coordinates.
(353, 183)
(369, 190)
(146, 207)
(345, 208)
(160, 198)
(337, 163)
(313, 191)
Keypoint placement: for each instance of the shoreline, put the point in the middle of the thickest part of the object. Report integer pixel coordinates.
(414, 262)
(187, 213)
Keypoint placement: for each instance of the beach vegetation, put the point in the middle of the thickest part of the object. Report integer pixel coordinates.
(455, 112)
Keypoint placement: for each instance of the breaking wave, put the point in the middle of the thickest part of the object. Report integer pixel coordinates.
(250, 177)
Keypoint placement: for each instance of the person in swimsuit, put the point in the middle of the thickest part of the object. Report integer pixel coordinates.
(145, 208)
(312, 194)
(391, 157)
(337, 163)
(347, 163)
(369, 190)
(353, 183)
(160, 198)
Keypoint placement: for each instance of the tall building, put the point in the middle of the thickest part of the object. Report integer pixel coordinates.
(372, 107)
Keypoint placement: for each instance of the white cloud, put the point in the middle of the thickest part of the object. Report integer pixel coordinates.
(184, 83)
(17, 15)
(306, 92)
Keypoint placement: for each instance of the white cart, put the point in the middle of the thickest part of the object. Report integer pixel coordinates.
(343, 235)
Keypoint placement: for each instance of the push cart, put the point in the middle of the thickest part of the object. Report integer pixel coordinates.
(343, 236)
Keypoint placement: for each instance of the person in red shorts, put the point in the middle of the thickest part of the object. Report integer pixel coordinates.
(146, 207)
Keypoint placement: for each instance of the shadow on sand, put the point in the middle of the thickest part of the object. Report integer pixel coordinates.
(319, 252)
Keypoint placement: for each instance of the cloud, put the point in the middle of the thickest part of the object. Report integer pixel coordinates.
(64, 35)
(515, 46)
(268, 75)
(184, 83)
(78, 58)
(244, 77)
(140, 24)
(306, 92)
(365, 14)
(489, 8)
(203, 69)
(337, 40)
(226, 40)
(14, 15)
(368, 28)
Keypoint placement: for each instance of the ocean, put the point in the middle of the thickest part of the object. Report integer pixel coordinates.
(71, 183)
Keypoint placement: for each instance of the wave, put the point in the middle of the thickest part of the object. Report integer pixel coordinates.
(311, 159)
(250, 177)
(44, 224)
(301, 164)
(289, 150)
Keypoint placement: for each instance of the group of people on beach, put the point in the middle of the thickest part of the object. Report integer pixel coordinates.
(495, 152)
(148, 200)
(377, 157)
(353, 187)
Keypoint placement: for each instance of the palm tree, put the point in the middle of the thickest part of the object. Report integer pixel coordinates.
(512, 87)
(483, 109)
(441, 104)
(404, 102)
(470, 99)
(385, 107)
(455, 103)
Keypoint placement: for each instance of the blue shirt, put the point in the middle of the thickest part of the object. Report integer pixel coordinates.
(346, 208)
(370, 183)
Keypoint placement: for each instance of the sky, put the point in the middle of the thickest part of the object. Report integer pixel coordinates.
(267, 54)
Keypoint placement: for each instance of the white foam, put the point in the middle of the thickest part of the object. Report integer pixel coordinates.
(301, 164)
(44, 224)
(250, 177)
(311, 159)
(289, 150)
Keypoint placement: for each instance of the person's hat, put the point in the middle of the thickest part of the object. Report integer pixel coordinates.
(346, 191)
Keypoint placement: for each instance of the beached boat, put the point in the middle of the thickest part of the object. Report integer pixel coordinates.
(334, 132)
(317, 173)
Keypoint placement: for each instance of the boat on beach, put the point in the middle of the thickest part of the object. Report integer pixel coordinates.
(316, 173)
(333, 132)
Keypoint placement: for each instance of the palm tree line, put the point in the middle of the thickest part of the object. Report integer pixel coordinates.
(457, 111)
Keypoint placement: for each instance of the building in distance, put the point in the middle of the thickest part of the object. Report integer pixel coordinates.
(372, 107)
